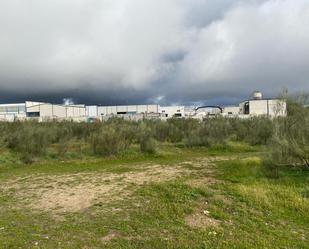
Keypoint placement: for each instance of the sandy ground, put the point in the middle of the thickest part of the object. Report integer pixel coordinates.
(69, 193)
(76, 192)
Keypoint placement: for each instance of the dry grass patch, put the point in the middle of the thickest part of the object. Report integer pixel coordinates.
(201, 219)
(222, 199)
(202, 182)
(202, 162)
(77, 198)
(77, 192)
(111, 235)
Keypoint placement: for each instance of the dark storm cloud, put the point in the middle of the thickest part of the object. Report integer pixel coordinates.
(165, 51)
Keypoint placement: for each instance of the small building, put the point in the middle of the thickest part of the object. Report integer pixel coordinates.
(257, 106)
(230, 111)
(172, 111)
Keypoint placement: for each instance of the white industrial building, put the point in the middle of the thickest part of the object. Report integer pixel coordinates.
(172, 111)
(42, 112)
(230, 111)
(135, 112)
(256, 106)
(208, 111)
(132, 112)
(46, 111)
(11, 112)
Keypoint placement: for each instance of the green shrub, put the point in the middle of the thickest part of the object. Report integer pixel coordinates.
(270, 169)
(260, 131)
(289, 143)
(107, 141)
(146, 138)
(255, 131)
(161, 130)
(29, 140)
(148, 145)
(214, 131)
(175, 130)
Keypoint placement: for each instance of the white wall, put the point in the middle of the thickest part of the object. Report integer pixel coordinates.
(142, 108)
(258, 107)
(107, 110)
(271, 108)
(12, 108)
(59, 111)
(46, 110)
(138, 109)
(208, 111)
(132, 108)
(35, 108)
(171, 111)
(33, 103)
(122, 108)
(152, 109)
(50, 111)
(231, 110)
(7, 117)
(277, 108)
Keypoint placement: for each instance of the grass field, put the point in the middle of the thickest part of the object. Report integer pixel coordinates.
(178, 198)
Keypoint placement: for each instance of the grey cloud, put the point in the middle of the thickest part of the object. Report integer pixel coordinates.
(134, 51)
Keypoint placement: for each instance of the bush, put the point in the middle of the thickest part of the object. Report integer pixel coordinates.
(176, 130)
(255, 131)
(148, 145)
(290, 140)
(107, 141)
(29, 140)
(270, 169)
(260, 131)
(161, 130)
(210, 132)
(147, 142)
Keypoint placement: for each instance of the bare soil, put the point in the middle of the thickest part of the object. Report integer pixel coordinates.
(76, 192)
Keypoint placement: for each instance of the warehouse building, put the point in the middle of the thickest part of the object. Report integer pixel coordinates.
(135, 112)
(172, 111)
(98, 111)
(42, 112)
(12, 112)
(46, 111)
(230, 111)
(128, 109)
(257, 106)
(132, 112)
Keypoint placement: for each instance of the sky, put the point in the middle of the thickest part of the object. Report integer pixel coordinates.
(152, 51)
